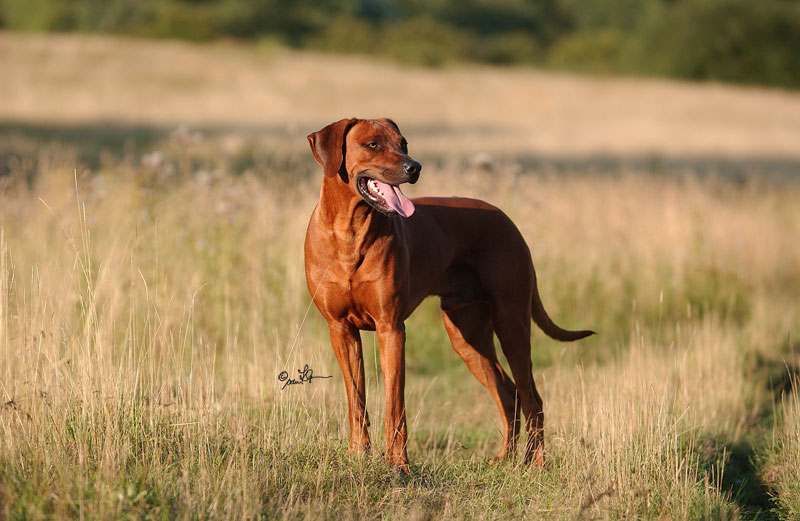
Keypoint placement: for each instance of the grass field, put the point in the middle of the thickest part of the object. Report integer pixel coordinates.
(152, 289)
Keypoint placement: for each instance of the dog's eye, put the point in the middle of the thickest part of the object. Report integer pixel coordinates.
(404, 146)
(372, 145)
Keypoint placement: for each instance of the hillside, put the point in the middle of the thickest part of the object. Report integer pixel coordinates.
(68, 80)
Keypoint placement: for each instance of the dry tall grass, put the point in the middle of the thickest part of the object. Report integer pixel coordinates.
(144, 323)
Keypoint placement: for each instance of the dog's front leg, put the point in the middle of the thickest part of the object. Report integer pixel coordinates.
(346, 342)
(392, 340)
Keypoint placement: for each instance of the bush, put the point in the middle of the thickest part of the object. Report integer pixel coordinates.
(294, 23)
(424, 41)
(511, 48)
(38, 15)
(540, 19)
(592, 50)
(725, 40)
(346, 34)
(181, 20)
(623, 15)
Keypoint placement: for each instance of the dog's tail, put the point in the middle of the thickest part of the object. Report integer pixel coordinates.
(544, 322)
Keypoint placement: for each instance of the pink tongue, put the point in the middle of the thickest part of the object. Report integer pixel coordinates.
(396, 200)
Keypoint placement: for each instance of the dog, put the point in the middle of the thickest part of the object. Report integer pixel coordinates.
(372, 255)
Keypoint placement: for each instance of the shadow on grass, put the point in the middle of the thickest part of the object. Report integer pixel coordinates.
(26, 147)
(23, 146)
(742, 458)
(742, 478)
(738, 169)
(91, 140)
(116, 137)
(89, 136)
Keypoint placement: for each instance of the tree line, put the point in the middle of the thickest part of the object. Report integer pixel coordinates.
(743, 41)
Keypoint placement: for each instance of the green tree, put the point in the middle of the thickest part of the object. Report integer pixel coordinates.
(725, 40)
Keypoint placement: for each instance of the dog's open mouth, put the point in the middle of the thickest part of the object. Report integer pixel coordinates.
(384, 197)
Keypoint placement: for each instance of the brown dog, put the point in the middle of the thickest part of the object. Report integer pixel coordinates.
(372, 255)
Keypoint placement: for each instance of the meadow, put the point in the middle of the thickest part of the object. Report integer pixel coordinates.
(152, 290)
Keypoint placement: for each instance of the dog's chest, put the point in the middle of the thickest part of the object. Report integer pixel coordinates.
(360, 293)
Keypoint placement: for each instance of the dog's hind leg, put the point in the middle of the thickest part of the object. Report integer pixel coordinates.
(514, 332)
(471, 333)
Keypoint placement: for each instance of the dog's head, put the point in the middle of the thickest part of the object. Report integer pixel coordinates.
(371, 156)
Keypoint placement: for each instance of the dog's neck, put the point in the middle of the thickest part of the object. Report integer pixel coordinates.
(352, 220)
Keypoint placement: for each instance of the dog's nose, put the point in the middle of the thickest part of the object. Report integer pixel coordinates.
(412, 169)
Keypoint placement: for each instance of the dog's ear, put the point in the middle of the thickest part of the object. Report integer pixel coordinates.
(327, 145)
